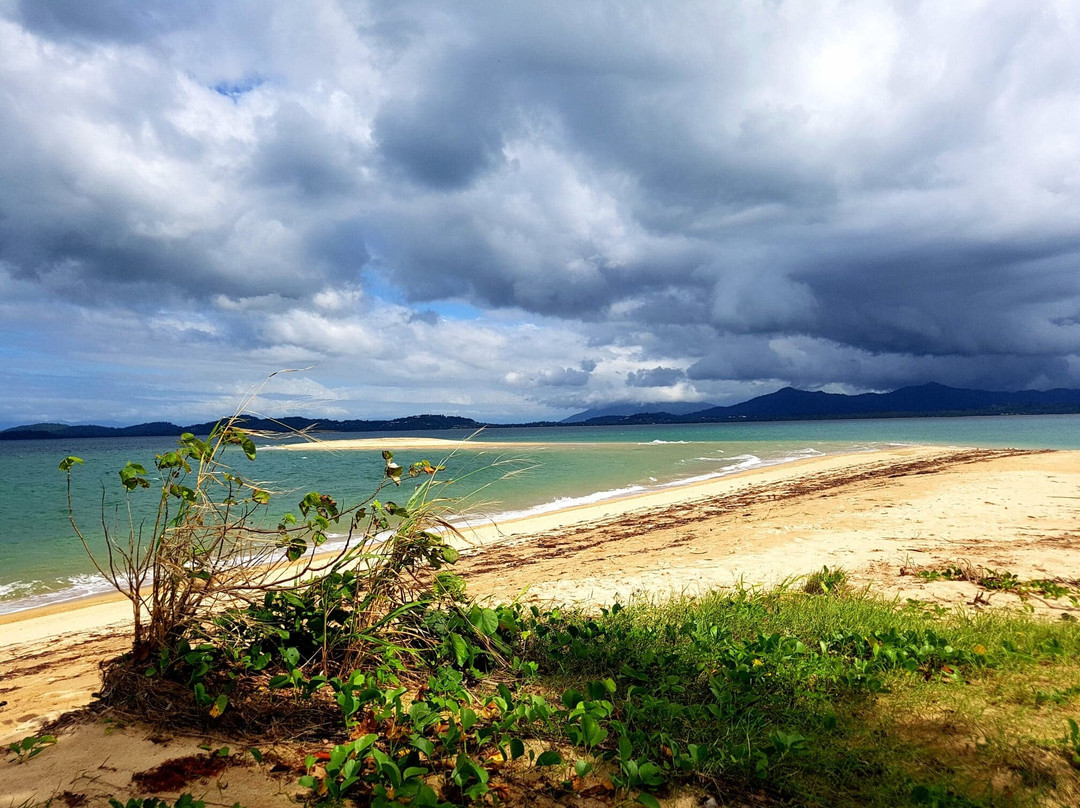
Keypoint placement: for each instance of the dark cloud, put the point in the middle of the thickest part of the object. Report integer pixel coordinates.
(656, 377)
(589, 197)
(444, 139)
(109, 20)
(300, 156)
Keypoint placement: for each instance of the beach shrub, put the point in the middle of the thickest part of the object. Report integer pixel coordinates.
(207, 548)
(227, 606)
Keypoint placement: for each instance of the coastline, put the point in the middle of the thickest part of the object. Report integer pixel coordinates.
(887, 518)
(84, 585)
(481, 531)
(478, 523)
(93, 612)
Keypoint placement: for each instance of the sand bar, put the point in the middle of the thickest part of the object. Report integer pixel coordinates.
(402, 442)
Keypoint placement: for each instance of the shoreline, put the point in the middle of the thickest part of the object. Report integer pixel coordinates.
(478, 533)
(893, 523)
(466, 522)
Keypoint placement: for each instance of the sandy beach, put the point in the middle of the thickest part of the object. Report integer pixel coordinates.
(881, 516)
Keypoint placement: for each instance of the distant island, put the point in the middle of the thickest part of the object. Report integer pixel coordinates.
(165, 428)
(788, 404)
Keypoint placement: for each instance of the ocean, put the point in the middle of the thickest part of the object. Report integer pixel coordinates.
(41, 561)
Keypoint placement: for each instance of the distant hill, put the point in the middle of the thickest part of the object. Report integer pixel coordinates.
(166, 429)
(923, 400)
(636, 408)
(46, 431)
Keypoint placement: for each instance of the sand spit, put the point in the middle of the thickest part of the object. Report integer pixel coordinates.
(372, 444)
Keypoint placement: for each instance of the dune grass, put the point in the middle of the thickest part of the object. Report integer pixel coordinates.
(840, 700)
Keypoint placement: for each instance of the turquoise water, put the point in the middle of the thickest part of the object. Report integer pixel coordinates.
(42, 561)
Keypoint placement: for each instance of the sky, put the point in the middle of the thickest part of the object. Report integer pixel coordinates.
(520, 210)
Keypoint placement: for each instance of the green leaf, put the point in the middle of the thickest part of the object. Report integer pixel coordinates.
(291, 656)
(364, 742)
(508, 697)
(173, 460)
(461, 650)
(591, 731)
(69, 461)
(648, 800)
(517, 748)
(549, 758)
(489, 622)
(297, 547)
(257, 754)
(131, 477)
(651, 774)
(182, 492)
(220, 703)
(393, 471)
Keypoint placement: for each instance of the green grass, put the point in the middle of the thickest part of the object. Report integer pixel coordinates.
(776, 697)
(834, 700)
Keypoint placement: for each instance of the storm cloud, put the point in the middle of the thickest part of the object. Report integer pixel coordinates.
(515, 210)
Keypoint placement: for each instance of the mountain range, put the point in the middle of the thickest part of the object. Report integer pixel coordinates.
(922, 400)
(787, 404)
